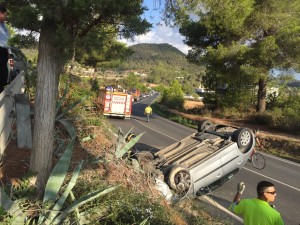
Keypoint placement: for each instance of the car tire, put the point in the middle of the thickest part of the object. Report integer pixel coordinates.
(179, 180)
(205, 125)
(144, 157)
(129, 136)
(243, 137)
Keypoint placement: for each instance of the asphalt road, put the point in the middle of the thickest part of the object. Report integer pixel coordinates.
(160, 133)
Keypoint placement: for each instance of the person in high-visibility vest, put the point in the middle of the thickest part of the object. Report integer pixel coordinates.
(257, 210)
(148, 112)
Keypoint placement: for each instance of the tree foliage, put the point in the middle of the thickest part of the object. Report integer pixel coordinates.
(62, 25)
(173, 96)
(100, 45)
(23, 41)
(134, 81)
(240, 39)
(284, 102)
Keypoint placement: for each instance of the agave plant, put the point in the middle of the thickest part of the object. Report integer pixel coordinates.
(123, 147)
(60, 117)
(54, 210)
(52, 207)
(17, 216)
(56, 215)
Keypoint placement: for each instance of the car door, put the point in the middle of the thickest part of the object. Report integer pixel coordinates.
(231, 158)
(206, 173)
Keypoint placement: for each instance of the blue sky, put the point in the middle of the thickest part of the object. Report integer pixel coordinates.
(160, 33)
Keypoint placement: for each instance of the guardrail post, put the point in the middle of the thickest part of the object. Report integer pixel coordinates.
(24, 135)
(7, 109)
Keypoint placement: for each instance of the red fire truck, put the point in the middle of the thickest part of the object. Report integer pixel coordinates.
(135, 94)
(114, 102)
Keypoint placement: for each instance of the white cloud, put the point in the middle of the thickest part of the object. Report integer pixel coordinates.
(161, 34)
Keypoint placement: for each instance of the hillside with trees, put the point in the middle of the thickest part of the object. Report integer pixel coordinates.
(163, 63)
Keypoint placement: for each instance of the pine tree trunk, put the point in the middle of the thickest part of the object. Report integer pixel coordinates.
(261, 96)
(45, 102)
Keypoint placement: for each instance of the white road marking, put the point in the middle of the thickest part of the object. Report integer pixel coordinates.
(280, 159)
(156, 131)
(297, 189)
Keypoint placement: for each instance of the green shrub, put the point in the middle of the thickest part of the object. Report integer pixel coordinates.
(287, 119)
(230, 113)
(30, 80)
(262, 118)
(124, 206)
(173, 97)
(202, 111)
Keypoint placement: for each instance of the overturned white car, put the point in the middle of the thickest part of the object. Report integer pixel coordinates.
(203, 161)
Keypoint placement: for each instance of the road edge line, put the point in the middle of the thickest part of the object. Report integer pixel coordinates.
(220, 207)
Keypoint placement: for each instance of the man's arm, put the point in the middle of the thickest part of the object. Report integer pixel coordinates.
(237, 198)
(240, 189)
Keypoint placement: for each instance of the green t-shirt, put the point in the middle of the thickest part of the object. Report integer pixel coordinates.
(257, 212)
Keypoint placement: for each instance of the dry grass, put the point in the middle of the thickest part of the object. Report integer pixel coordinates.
(192, 104)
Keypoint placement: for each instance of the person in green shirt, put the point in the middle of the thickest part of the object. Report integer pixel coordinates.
(257, 211)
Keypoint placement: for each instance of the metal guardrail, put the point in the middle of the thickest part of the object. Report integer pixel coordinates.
(7, 109)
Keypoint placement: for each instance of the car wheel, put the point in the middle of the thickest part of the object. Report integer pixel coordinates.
(205, 125)
(243, 138)
(130, 136)
(179, 180)
(144, 157)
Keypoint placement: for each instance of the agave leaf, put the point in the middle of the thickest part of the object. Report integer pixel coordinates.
(144, 222)
(81, 201)
(59, 103)
(121, 152)
(85, 139)
(136, 166)
(88, 138)
(69, 127)
(69, 108)
(18, 216)
(120, 139)
(63, 197)
(78, 217)
(58, 174)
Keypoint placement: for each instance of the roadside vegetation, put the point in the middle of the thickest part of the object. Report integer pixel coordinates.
(107, 187)
(134, 198)
(127, 194)
(92, 179)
